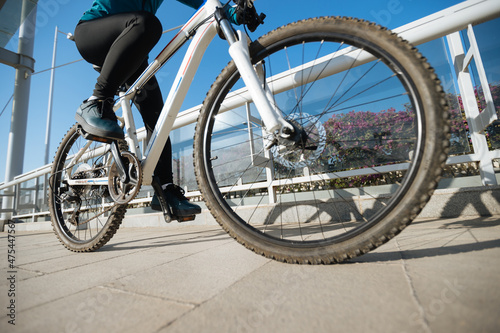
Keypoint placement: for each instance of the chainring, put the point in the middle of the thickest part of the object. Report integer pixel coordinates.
(120, 192)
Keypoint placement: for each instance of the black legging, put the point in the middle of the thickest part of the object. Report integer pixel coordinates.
(120, 44)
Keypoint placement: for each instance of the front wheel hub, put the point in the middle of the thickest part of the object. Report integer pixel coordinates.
(300, 147)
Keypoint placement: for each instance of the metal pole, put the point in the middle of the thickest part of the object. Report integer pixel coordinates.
(19, 120)
(51, 98)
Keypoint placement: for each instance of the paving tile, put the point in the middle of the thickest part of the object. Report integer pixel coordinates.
(289, 298)
(50, 287)
(99, 309)
(197, 277)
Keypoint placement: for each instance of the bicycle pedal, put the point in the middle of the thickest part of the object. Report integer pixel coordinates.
(181, 219)
(92, 137)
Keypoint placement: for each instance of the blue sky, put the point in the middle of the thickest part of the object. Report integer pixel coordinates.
(74, 83)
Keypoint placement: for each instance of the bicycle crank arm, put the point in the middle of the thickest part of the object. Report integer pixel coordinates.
(122, 171)
(167, 215)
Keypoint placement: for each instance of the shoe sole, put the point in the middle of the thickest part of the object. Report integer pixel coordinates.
(97, 131)
(159, 209)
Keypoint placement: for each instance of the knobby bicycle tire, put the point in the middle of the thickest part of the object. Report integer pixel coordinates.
(375, 139)
(97, 217)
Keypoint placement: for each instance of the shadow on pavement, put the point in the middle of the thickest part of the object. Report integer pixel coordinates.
(165, 239)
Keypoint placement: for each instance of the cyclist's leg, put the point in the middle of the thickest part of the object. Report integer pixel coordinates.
(119, 44)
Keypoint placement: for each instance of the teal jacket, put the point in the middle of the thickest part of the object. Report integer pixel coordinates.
(101, 8)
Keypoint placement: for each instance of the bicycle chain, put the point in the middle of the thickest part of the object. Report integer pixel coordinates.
(138, 166)
(82, 175)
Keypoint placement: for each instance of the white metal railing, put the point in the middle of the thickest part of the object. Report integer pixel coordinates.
(477, 120)
(444, 23)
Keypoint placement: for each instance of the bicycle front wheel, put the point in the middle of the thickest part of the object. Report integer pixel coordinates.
(84, 217)
(373, 140)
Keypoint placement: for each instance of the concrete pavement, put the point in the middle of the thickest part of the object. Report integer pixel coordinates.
(437, 276)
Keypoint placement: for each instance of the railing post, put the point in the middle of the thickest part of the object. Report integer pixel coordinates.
(35, 199)
(17, 135)
(464, 80)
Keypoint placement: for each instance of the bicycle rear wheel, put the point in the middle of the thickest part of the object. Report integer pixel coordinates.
(374, 138)
(84, 217)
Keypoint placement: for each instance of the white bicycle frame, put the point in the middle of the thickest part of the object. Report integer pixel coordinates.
(204, 35)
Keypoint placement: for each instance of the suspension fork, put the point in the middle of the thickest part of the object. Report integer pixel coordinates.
(261, 95)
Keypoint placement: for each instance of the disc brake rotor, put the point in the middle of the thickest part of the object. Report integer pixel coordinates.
(306, 152)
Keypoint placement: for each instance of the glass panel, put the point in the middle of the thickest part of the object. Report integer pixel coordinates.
(234, 136)
(42, 205)
(436, 53)
(369, 124)
(487, 40)
(182, 157)
(26, 198)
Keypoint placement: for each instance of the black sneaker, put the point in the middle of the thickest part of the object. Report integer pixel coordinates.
(179, 204)
(98, 119)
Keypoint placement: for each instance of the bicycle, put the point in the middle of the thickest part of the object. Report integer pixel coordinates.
(264, 135)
